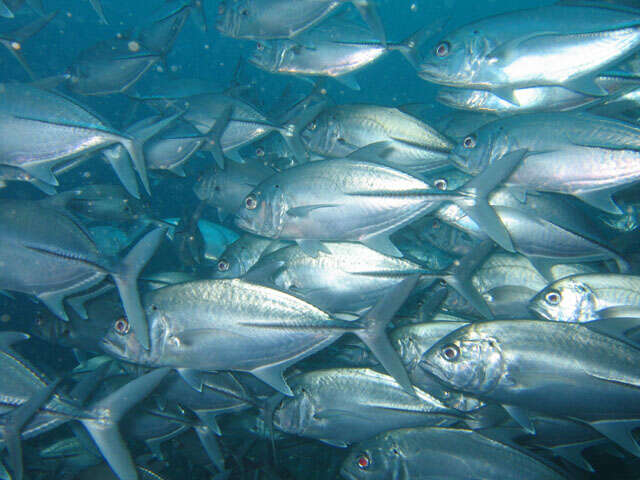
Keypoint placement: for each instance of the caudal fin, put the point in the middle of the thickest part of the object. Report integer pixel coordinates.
(106, 413)
(12, 423)
(13, 41)
(214, 135)
(297, 118)
(476, 201)
(135, 147)
(373, 333)
(125, 275)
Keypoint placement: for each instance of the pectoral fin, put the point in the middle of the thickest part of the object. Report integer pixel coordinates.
(521, 416)
(620, 432)
(383, 244)
(312, 247)
(272, 376)
(601, 200)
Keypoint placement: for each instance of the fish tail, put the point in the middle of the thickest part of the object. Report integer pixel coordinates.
(125, 275)
(13, 422)
(103, 426)
(373, 334)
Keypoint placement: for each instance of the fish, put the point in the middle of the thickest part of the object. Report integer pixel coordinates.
(517, 363)
(14, 40)
(586, 297)
(346, 405)
(102, 204)
(240, 256)
(544, 46)
(354, 200)
(566, 154)
(538, 99)
(71, 130)
(428, 452)
(263, 334)
(350, 278)
(100, 419)
(245, 124)
(226, 188)
(375, 132)
(111, 66)
(270, 19)
(69, 257)
(336, 48)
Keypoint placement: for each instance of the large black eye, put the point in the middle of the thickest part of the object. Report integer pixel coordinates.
(260, 152)
(251, 202)
(223, 265)
(553, 298)
(443, 49)
(312, 126)
(363, 462)
(244, 12)
(121, 326)
(450, 353)
(469, 142)
(260, 46)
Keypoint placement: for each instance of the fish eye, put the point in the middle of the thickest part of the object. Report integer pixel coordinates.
(469, 142)
(440, 184)
(244, 12)
(121, 326)
(223, 265)
(260, 152)
(313, 126)
(552, 298)
(450, 353)
(251, 202)
(260, 46)
(443, 49)
(363, 462)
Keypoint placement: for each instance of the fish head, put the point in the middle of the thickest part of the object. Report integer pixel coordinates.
(480, 148)
(295, 414)
(466, 360)
(267, 54)
(323, 135)
(567, 300)
(455, 59)
(238, 19)
(381, 459)
(229, 265)
(263, 211)
(122, 342)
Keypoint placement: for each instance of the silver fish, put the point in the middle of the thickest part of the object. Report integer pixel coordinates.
(578, 154)
(559, 369)
(557, 45)
(427, 453)
(264, 333)
(395, 137)
(346, 405)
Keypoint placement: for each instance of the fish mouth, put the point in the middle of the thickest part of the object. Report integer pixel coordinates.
(349, 476)
(431, 72)
(111, 347)
(242, 223)
(540, 312)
